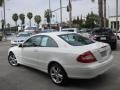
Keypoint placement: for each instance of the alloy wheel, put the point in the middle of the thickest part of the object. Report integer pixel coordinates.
(57, 74)
(12, 60)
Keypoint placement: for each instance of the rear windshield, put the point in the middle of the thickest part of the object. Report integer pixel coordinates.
(75, 39)
(102, 32)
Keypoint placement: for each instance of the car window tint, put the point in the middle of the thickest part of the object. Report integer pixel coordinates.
(75, 39)
(48, 42)
(33, 41)
(44, 41)
(37, 40)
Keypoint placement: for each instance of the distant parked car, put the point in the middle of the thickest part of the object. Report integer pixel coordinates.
(32, 30)
(20, 38)
(63, 55)
(104, 35)
(75, 30)
(48, 30)
(82, 32)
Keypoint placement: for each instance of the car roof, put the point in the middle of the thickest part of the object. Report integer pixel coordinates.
(54, 33)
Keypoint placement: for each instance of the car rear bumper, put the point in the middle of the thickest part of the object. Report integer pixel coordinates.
(90, 71)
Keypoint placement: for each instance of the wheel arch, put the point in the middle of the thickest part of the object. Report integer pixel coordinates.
(55, 62)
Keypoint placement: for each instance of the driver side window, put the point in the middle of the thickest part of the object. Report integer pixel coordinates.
(33, 42)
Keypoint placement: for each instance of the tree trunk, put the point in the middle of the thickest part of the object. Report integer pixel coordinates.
(30, 22)
(16, 23)
(100, 8)
(37, 27)
(16, 27)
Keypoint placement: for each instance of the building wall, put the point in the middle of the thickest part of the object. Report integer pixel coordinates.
(112, 22)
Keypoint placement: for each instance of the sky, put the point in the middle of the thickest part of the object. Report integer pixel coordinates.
(37, 7)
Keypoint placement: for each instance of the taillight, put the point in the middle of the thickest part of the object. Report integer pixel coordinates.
(86, 57)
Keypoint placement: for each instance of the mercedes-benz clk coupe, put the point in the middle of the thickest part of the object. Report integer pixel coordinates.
(63, 55)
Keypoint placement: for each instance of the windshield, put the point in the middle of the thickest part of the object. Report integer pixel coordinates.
(75, 39)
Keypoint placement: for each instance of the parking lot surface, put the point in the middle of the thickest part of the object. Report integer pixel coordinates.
(25, 78)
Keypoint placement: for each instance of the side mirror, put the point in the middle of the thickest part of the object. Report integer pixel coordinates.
(20, 45)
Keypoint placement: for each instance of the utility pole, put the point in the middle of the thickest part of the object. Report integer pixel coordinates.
(60, 15)
(100, 8)
(49, 4)
(117, 24)
(49, 14)
(70, 13)
(69, 10)
(105, 13)
(4, 19)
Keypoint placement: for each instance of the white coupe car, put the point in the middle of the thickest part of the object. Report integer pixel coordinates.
(63, 55)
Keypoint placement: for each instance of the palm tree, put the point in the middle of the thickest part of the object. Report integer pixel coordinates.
(48, 16)
(22, 18)
(100, 9)
(1, 2)
(15, 18)
(37, 19)
(29, 15)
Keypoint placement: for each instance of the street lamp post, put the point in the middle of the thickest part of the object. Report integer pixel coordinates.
(4, 18)
(69, 7)
(60, 15)
(105, 13)
(49, 4)
(117, 17)
(49, 13)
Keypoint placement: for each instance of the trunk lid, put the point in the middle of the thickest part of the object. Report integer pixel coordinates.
(101, 51)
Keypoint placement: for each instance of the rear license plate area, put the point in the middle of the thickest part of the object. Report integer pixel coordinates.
(102, 38)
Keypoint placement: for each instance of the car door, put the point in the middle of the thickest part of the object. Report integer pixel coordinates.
(46, 51)
(30, 50)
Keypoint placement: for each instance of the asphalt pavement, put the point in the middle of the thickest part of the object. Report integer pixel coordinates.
(25, 78)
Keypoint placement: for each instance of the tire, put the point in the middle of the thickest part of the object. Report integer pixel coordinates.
(0, 38)
(12, 60)
(118, 37)
(58, 75)
(114, 46)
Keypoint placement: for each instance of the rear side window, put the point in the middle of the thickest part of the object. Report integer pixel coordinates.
(75, 39)
(48, 42)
